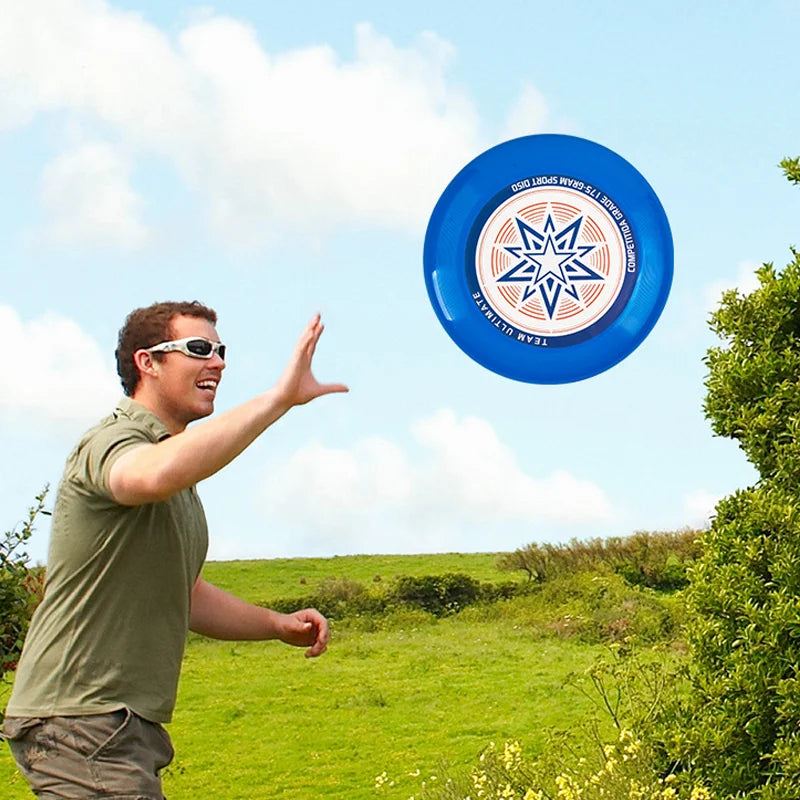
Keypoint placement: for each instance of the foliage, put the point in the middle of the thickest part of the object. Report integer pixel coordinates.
(587, 606)
(20, 587)
(658, 560)
(625, 772)
(741, 729)
(439, 595)
(436, 594)
(592, 608)
(791, 168)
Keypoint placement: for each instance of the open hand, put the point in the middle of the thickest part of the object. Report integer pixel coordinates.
(298, 385)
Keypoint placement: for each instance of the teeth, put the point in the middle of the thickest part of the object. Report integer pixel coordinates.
(207, 384)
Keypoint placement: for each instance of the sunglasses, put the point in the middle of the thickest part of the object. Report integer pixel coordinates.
(193, 346)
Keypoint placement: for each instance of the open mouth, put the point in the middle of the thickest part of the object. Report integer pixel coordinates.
(207, 385)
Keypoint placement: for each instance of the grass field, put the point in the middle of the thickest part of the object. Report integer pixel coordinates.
(257, 720)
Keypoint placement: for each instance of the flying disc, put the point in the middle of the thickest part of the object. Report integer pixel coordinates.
(548, 259)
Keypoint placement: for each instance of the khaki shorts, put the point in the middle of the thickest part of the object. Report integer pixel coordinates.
(109, 756)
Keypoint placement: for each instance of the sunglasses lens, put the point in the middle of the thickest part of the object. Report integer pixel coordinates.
(221, 351)
(199, 347)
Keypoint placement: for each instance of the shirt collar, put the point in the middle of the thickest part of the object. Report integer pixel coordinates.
(130, 408)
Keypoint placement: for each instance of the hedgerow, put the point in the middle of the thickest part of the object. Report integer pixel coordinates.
(658, 560)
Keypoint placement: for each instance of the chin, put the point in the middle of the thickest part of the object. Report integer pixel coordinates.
(201, 412)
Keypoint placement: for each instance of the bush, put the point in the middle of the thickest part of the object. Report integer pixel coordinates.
(20, 587)
(335, 597)
(437, 594)
(342, 598)
(742, 728)
(591, 608)
(657, 560)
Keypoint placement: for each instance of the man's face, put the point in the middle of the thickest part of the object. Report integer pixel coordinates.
(187, 386)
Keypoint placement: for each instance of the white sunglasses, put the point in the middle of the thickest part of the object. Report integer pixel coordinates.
(194, 346)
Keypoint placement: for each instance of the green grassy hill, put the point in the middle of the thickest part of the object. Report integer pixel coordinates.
(403, 695)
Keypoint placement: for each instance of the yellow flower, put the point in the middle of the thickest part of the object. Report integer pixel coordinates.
(381, 779)
(529, 795)
(700, 793)
(567, 788)
(512, 755)
(479, 780)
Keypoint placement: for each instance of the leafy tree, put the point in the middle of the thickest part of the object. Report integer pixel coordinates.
(20, 587)
(742, 727)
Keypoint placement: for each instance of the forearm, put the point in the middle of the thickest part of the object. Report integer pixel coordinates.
(155, 472)
(220, 615)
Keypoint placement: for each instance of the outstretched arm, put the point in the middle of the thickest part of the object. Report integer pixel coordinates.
(220, 615)
(154, 472)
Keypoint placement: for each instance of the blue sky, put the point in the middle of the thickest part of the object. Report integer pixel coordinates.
(273, 160)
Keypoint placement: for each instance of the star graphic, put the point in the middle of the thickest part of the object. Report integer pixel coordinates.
(549, 262)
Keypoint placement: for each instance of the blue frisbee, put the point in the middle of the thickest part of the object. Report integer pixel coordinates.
(548, 259)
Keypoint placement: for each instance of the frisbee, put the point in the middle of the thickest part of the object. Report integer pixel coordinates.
(548, 259)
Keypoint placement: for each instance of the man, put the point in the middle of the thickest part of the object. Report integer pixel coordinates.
(99, 670)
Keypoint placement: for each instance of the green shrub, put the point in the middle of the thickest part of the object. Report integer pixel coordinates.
(591, 608)
(342, 598)
(20, 587)
(335, 597)
(657, 560)
(437, 594)
(741, 729)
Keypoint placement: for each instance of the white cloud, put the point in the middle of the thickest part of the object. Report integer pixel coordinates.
(744, 282)
(53, 373)
(302, 138)
(699, 507)
(89, 198)
(466, 491)
(529, 114)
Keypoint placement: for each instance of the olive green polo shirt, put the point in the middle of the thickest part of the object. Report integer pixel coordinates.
(112, 627)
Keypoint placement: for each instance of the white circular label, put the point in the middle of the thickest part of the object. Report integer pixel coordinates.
(553, 259)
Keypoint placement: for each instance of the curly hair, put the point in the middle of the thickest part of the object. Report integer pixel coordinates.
(146, 327)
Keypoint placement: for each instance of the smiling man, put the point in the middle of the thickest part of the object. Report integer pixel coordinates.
(99, 670)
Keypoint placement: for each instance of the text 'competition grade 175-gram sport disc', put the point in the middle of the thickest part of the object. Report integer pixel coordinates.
(548, 259)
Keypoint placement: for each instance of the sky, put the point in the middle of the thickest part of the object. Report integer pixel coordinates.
(274, 160)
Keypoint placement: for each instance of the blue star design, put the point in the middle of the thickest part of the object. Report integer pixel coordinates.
(549, 262)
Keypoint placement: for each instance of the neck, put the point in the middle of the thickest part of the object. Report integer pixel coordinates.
(154, 403)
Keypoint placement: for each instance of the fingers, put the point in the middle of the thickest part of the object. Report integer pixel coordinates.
(315, 338)
(317, 624)
(306, 386)
(332, 388)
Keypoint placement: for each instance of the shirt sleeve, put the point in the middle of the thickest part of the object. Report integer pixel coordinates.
(95, 455)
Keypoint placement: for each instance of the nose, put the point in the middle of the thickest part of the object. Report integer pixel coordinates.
(218, 362)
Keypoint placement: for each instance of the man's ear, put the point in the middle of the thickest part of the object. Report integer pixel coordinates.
(145, 363)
